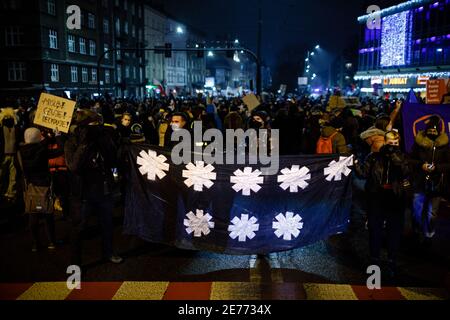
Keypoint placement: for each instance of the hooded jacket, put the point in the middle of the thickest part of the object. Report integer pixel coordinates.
(422, 152)
(374, 137)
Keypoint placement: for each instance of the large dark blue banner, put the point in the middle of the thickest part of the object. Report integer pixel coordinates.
(234, 209)
(415, 116)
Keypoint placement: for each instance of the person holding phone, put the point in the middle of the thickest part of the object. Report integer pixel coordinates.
(430, 160)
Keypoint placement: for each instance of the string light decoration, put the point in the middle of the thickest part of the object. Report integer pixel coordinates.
(396, 40)
(396, 9)
(395, 90)
(444, 74)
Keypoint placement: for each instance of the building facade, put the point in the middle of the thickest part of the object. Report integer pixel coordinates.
(129, 35)
(410, 45)
(155, 29)
(40, 52)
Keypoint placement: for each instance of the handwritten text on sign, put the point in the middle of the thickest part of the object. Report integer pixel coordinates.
(54, 112)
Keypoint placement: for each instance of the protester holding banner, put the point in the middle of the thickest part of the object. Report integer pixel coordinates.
(386, 172)
(91, 155)
(430, 159)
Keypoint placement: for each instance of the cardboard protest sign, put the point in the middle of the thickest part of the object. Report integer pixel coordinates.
(54, 112)
(251, 101)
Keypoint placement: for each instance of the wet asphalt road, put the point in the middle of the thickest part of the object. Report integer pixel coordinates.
(341, 259)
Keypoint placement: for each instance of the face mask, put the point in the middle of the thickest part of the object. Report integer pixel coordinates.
(255, 124)
(389, 149)
(8, 122)
(432, 136)
(175, 126)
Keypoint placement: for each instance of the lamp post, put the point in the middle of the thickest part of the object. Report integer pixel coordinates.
(309, 55)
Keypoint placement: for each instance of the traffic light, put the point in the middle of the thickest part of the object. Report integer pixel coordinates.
(201, 51)
(168, 51)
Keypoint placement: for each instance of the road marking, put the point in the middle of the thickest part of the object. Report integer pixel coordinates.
(141, 291)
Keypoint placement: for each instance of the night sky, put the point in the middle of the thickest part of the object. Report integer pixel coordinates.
(290, 27)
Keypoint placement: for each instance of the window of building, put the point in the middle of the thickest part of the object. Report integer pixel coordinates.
(133, 31)
(125, 4)
(118, 26)
(127, 72)
(71, 43)
(105, 26)
(84, 74)
(13, 36)
(105, 49)
(119, 74)
(92, 48)
(91, 21)
(94, 74)
(118, 51)
(54, 71)
(107, 76)
(53, 39)
(74, 73)
(134, 73)
(125, 28)
(51, 7)
(16, 71)
(82, 45)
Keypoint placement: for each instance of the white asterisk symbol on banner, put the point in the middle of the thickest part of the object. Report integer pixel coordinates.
(152, 165)
(243, 228)
(287, 226)
(198, 223)
(199, 175)
(294, 178)
(247, 181)
(335, 170)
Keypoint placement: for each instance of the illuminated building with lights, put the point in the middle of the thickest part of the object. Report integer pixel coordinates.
(409, 45)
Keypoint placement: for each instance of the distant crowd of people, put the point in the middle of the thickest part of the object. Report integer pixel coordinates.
(80, 168)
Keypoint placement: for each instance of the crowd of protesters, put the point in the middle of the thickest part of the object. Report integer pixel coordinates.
(81, 167)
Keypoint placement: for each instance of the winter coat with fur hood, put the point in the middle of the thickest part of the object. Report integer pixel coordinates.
(422, 152)
(374, 137)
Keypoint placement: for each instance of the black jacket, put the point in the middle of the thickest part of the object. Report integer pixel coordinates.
(383, 169)
(90, 155)
(35, 163)
(422, 152)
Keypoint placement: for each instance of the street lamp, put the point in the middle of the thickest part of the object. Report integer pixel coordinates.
(210, 54)
(317, 47)
(180, 30)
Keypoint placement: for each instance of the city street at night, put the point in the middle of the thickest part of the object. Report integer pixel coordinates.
(221, 158)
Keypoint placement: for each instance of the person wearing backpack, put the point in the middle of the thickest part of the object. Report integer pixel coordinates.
(332, 141)
(90, 156)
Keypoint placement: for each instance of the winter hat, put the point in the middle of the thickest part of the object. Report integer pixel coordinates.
(136, 132)
(86, 116)
(262, 114)
(433, 123)
(32, 135)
